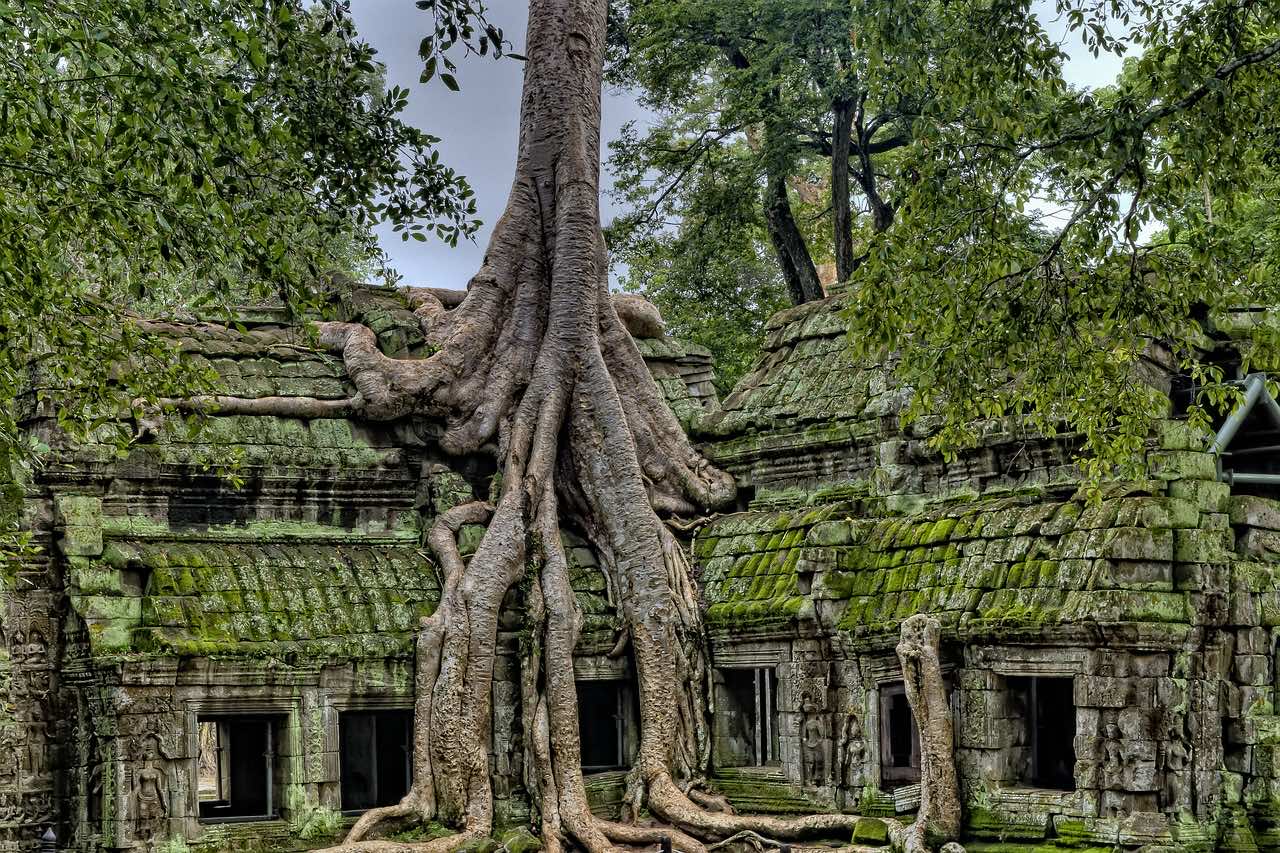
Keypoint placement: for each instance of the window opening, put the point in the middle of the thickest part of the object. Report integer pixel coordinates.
(236, 768)
(747, 719)
(375, 751)
(1048, 712)
(602, 725)
(899, 738)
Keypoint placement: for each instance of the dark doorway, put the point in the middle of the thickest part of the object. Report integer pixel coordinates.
(237, 767)
(899, 738)
(603, 709)
(747, 717)
(1050, 729)
(376, 750)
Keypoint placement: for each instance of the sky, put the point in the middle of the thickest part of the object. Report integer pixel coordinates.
(478, 125)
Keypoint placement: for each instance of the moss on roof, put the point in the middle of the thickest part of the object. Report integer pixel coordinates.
(988, 563)
(748, 563)
(323, 599)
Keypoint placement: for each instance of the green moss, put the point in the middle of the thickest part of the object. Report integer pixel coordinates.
(423, 832)
(987, 824)
(870, 831)
(520, 840)
(319, 823)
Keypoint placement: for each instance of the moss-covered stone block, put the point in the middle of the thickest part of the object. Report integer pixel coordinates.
(1254, 511)
(1181, 435)
(991, 825)
(1202, 546)
(870, 831)
(830, 533)
(520, 840)
(1182, 465)
(1209, 496)
(1138, 543)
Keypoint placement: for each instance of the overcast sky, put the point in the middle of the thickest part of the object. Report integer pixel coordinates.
(478, 125)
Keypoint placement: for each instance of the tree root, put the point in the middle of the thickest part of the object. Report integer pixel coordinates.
(709, 801)
(446, 844)
(939, 814)
(535, 360)
(407, 808)
(631, 835)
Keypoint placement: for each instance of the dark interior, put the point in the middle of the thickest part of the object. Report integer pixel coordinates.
(247, 762)
(376, 756)
(899, 738)
(1050, 709)
(601, 725)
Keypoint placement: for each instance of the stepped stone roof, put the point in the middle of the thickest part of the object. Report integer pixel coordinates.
(319, 555)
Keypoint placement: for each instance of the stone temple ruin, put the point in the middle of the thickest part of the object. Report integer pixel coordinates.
(191, 665)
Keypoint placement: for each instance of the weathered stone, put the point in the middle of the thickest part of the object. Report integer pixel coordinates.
(1201, 546)
(1259, 544)
(1208, 495)
(870, 831)
(1254, 511)
(1182, 465)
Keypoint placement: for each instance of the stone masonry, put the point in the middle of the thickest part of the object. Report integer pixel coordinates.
(1111, 662)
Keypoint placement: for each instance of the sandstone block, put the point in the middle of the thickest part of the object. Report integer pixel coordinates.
(1253, 670)
(1254, 511)
(1138, 543)
(1202, 546)
(1259, 544)
(1208, 495)
(1096, 691)
(1182, 465)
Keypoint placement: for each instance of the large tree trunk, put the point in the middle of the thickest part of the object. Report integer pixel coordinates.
(841, 205)
(939, 816)
(798, 270)
(536, 362)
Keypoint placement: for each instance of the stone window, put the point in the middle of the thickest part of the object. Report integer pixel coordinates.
(238, 771)
(747, 717)
(1044, 712)
(605, 715)
(899, 738)
(376, 749)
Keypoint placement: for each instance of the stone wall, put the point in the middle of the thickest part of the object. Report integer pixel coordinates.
(1153, 603)
(287, 586)
(163, 592)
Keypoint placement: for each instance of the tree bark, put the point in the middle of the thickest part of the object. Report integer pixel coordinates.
(535, 361)
(798, 270)
(841, 205)
(939, 817)
(882, 212)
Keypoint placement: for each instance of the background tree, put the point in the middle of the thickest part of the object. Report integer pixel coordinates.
(825, 89)
(712, 274)
(1008, 260)
(1053, 329)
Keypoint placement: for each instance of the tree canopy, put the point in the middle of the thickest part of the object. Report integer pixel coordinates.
(1004, 246)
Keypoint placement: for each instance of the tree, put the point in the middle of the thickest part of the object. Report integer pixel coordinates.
(998, 308)
(712, 277)
(939, 814)
(995, 306)
(825, 91)
(535, 362)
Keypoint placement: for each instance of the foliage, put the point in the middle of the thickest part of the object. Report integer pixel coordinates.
(1058, 329)
(212, 149)
(1014, 275)
(710, 274)
(749, 98)
(713, 298)
(784, 75)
